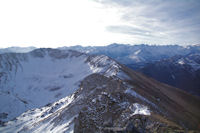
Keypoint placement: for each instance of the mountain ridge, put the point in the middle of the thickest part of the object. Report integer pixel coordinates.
(44, 72)
(141, 99)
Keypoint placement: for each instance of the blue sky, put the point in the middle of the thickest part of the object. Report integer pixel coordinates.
(54, 23)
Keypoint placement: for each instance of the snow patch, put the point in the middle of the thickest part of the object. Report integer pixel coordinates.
(181, 62)
(137, 52)
(133, 93)
(139, 109)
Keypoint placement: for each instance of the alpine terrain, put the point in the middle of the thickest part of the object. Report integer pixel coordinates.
(156, 61)
(54, 90)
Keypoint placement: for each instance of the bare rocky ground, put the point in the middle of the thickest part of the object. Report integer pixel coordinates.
(111, 110)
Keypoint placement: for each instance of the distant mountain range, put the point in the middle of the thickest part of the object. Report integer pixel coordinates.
(156, 61)
(137, 56)
(171, 64)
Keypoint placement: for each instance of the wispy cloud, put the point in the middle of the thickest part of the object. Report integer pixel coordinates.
(128, 30)
(164, 21)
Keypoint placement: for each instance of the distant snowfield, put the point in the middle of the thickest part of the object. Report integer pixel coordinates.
(38, 81)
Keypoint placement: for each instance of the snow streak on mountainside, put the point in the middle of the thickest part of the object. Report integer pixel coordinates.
(44, 76)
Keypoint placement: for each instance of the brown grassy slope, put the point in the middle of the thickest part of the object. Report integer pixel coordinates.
(179, 106)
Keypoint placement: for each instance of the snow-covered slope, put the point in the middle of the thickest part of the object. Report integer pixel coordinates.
(38, 120)
(44, 76)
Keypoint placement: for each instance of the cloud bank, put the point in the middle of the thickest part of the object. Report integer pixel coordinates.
(158, 21)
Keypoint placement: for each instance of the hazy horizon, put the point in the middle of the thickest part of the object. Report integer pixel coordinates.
(99, 45)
